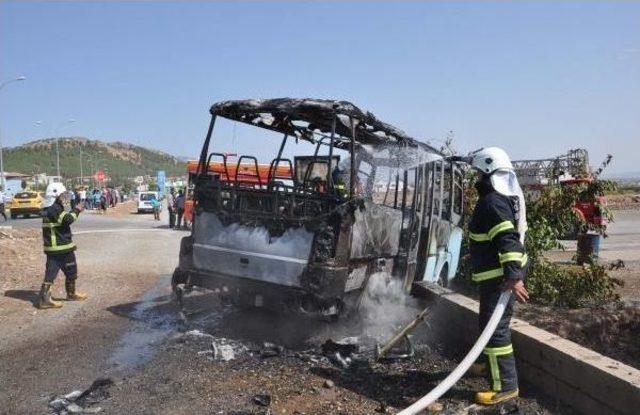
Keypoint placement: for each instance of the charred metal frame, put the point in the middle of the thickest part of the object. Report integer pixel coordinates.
(330, 217)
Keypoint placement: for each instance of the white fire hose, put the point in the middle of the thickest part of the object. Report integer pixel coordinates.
(466, 363)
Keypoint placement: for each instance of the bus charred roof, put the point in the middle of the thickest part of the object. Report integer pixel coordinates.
(302, 118)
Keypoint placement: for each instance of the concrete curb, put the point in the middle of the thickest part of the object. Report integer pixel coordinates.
(587, 381)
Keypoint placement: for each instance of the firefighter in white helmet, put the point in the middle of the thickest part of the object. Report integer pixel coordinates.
(58, 246)
(496, 231)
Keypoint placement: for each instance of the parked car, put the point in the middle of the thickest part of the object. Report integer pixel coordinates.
(144, 202)
(26, 204)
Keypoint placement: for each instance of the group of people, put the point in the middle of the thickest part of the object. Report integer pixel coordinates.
(175, 206)
(100, 199)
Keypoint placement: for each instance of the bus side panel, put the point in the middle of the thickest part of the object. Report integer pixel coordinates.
(453, 250)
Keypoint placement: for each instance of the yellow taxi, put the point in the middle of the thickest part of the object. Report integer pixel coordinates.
(26, 204)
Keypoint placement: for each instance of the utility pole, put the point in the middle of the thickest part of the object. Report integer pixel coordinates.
(55, 132)
(81, 177)
(2, 182)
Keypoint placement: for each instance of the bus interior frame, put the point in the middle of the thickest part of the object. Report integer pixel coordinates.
(341, 236)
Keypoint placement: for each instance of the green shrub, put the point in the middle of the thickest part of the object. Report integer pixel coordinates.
(571, 286)
(549, 217)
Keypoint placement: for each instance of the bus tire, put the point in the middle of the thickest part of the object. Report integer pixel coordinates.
(443, 277)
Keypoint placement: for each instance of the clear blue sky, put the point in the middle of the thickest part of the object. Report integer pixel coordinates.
(535, 78)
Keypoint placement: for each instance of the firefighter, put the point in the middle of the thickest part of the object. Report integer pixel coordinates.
(58, 246)
(496, 232)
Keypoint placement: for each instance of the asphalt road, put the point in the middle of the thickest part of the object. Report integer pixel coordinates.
(91, 220)
(624, 237)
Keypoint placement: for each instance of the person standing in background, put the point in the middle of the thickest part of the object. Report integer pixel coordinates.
(179, 208)
(171, 202)
(4, 215)
(72, 199)
(155, 204)
(83, 196)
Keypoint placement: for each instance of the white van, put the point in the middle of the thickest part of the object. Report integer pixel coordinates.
(144, 201)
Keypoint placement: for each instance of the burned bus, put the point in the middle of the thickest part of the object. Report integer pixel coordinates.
(307, 232)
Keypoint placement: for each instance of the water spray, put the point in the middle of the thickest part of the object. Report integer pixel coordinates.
(466, 363)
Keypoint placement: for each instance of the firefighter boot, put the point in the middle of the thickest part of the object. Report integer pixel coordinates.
(72, 294)
(492, 398)
(44, 300)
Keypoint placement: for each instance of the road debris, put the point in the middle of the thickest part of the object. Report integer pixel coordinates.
(617, 264)
(82, 402)
(402, 334)
(435, 407)
(226, 350)
(262, 400)
(271, 350)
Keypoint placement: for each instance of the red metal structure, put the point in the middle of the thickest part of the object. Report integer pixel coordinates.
(569, 169)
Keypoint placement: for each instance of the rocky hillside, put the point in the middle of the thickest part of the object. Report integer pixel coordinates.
(116, 159)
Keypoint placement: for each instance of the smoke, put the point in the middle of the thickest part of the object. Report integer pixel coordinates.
(251, 252)
(385, 307)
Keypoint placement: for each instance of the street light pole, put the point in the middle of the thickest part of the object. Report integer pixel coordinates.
(2, 182)
(81, 177)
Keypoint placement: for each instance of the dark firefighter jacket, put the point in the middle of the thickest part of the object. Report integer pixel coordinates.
(56, 229)
(496, 251)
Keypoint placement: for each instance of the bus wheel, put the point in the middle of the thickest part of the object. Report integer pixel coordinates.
(443, 278)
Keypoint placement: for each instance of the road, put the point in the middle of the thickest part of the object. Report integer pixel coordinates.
(205, 359)
(624, 237)
(622, 243)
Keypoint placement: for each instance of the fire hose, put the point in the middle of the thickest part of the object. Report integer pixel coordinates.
(466, 363)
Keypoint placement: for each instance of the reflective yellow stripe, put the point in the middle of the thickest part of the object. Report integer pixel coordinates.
(510, 256)
(61, 217)
(73, 215)
(499, 351)
(487, 275)
(493, 353)
(479, 237)
(55, 248)
(501, 227)
(496, 384)
(54, 240)
(50, 225)
(514, 256)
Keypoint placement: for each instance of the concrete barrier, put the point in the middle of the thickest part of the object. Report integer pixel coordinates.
(587, 381)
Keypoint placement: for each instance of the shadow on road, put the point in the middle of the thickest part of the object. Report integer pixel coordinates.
(24, 295)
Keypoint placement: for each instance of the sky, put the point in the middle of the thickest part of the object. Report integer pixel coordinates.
(534, 78)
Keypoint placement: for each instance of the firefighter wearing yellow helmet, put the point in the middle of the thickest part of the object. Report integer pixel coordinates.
(58, 246)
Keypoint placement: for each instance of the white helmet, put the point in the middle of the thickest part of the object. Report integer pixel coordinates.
(54, 190)
(490, 159)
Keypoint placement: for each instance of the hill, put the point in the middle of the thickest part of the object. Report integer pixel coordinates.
(118, 160)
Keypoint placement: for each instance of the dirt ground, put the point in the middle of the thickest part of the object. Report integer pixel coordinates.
(149, 357)
(623, 202)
